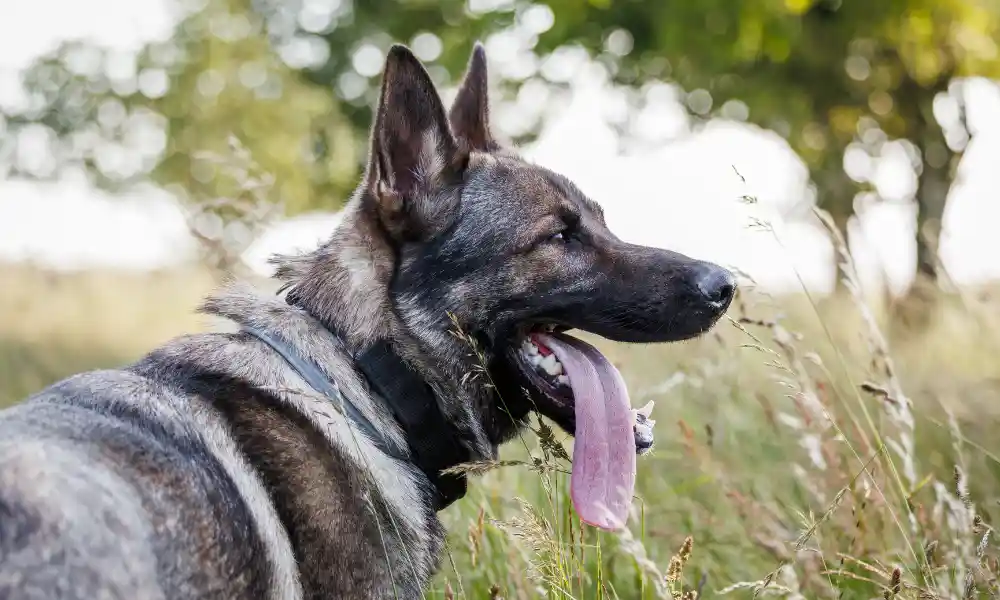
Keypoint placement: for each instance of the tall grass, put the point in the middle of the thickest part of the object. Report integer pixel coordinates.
(802, 452)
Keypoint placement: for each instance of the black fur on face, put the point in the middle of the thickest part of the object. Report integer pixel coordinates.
(519, 247)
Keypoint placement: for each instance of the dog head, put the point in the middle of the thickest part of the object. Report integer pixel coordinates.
(450, 229)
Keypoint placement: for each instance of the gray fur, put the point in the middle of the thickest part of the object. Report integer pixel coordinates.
(210, 469)
(50, 443)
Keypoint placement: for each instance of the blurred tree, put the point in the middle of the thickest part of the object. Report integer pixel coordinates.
(126, 117)
(293, 81)
(832, 77)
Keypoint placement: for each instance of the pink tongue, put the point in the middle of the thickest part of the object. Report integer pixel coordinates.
(604, 451)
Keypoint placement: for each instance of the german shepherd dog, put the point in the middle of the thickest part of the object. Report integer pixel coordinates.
(306, 454)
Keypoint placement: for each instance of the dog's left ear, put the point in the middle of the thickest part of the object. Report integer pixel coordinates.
(413, 154)
(470, 114)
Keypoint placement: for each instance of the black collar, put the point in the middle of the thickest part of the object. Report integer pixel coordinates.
(432, 440)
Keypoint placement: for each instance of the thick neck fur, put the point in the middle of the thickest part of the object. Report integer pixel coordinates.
(310, 338)
(345, 506)
(345, 285)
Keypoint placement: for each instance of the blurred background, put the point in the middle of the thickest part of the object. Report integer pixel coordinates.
(840, 155)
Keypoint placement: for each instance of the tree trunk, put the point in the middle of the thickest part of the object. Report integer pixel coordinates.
(932, 192)
(916, 308)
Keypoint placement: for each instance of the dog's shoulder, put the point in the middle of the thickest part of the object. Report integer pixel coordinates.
(219, 431)
(340, 499)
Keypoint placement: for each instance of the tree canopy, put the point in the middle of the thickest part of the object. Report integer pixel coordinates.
(295, 81)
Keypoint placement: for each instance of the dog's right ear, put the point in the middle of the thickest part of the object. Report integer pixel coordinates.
(413, 152)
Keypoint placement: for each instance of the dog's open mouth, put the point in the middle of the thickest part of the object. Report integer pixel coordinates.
(573, 373)
(542, 365)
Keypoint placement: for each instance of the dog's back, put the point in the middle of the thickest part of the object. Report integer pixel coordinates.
(102, 467)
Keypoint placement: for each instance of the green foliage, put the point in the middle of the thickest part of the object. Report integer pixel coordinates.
(294, 98)
(154, 115)
(295, 81)
(823, 73)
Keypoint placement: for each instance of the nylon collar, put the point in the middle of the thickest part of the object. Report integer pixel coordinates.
(432, 440)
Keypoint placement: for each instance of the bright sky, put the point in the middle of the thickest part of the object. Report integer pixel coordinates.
(683, 195)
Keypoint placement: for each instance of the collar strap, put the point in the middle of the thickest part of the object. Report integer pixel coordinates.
(432, 440)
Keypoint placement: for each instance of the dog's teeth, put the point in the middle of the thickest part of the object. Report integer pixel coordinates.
(563, 379)
(535, 359)
(551, 365)
(532, 349)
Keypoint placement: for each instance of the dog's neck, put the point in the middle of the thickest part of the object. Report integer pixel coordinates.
(434, 443)
(345, 285)
(374, 388)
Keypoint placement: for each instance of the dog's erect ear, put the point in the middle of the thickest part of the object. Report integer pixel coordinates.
(413, 152)
(470, 114)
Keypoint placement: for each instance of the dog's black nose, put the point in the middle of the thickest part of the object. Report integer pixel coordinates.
(717, 285)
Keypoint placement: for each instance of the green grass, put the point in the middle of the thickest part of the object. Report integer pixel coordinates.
(770, 456)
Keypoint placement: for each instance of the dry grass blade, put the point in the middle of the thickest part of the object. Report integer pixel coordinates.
(534, 531)
(481, 467)
(634, 548)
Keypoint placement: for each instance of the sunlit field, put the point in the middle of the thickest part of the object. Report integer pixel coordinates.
(806, 448)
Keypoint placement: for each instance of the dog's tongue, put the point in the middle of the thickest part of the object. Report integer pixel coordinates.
(604, 451)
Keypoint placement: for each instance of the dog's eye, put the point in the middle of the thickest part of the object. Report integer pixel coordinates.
(560, 238)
